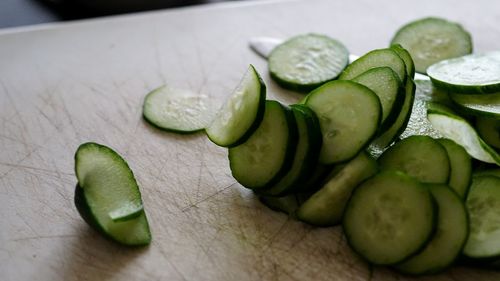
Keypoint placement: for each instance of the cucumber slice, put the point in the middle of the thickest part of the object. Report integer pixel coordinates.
(460, 131)
(482, 105)
(460, 167)
(476, 73)
(430, 40)
(389, 218)
(388, 137)
(177, 110)
(304, 62)
(489, 130)
(267, 155)
(376, 58)
(384, 82)
(406, 57)
(483, 204)
(287, 204)
(326, 206)
(107, 189)
(421, 157)
(241, 114)
(488, 172)
(306, 154)
(349, 116)
(449, 239)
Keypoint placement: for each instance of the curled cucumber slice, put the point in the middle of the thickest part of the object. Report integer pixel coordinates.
(108, 197)
(459, 130)
(242, 113)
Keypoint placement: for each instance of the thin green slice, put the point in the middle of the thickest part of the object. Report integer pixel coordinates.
(384, 82)
(376, 58)
(304, 62)
(421, 157)
(454, 127)
(389, 218)
(460, 167)
(483, 204)
(391, 134)
(177, 110)
(449, 239)
(242, 113)
(406, 57)
(326, 206)
(476, 73)
(483, 105)
(489, 130)
(430, 40)
(349, 115)
(106, 184)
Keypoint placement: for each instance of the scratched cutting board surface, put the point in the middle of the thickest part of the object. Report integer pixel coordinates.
(65, 84)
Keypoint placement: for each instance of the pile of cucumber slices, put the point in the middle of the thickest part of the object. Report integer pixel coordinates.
(337, 157)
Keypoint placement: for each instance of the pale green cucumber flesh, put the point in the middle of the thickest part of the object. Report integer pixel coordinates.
(178, 110)
(384, 82)
(305, 156)
(376, 58)
(108, 185)
(305, 62)
(483, 204)
(326, 206)
(481, 105)
(389, 218)
(460, 131)
(475, 73)
(267, 155)
(489, 130)
(349, 116)
(451, 234)
(421, 157)
(430, 40)
(242, 113)
(460, 167)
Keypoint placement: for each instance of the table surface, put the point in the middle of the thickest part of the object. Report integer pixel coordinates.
(65, 84)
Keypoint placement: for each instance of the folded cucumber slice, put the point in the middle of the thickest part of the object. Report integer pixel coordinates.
(460, 167)
(304, 62)
(389, 218)
(326, 206)
(488, 172)
(483, 105)
(460, 131)
(376, 58)
(107, 195)
(390, 135)
(177, 110)
(483, 204)
(406, 57)
(305, 156)
(241, 114)
(421, 157)
(384, 82)
(430, 40)
(267, 155)
(449, 239)
(489, 130)
(476, 73)
(349, 115)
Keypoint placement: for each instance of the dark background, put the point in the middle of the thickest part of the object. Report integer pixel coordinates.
(28, 12)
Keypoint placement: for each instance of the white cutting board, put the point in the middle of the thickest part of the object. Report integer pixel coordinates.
(65, 84)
